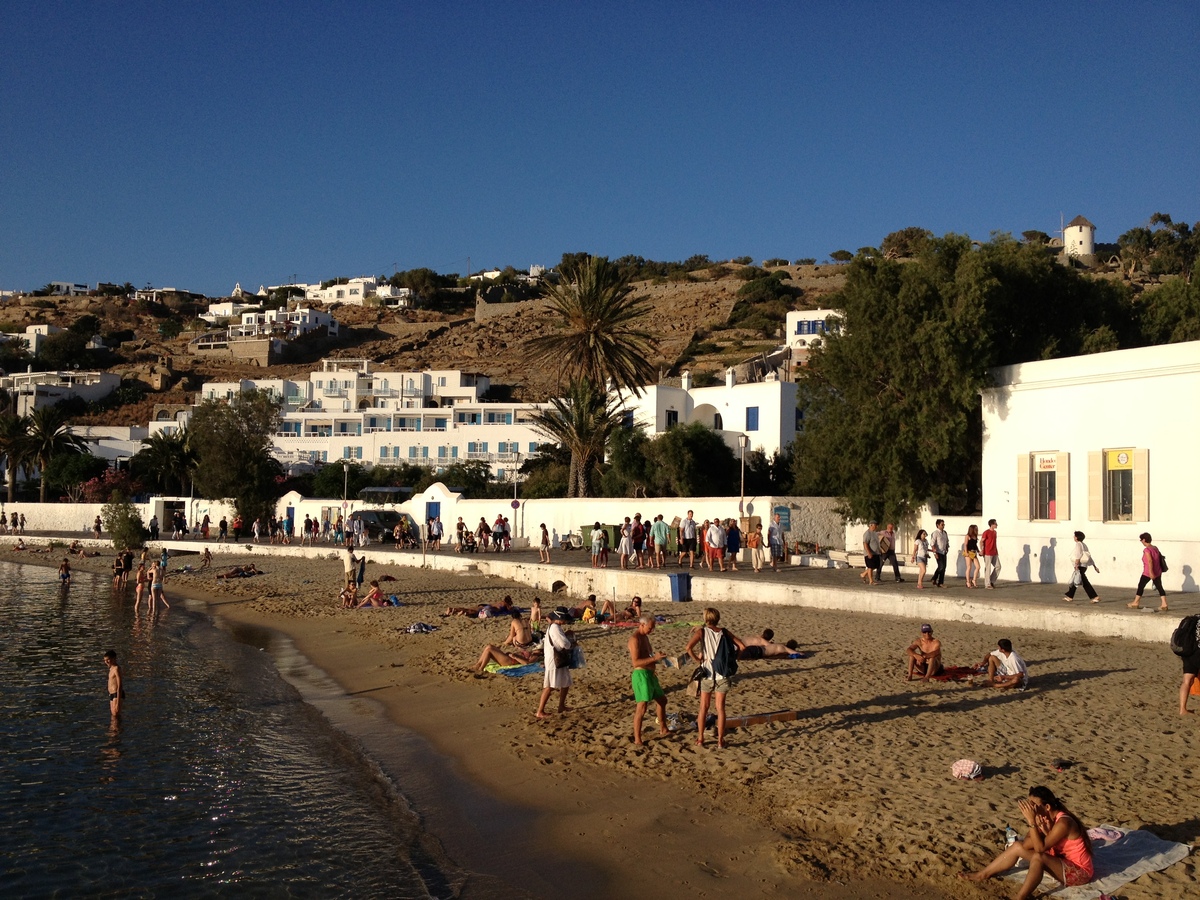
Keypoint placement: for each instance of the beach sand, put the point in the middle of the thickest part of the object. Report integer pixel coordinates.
(853, 799)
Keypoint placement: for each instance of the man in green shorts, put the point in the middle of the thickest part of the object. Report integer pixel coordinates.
(645, 682)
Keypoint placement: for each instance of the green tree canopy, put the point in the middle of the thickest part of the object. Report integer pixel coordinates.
(166, 462)
(67, 472)
(49, 436)
(892, 399)
(581, 422)
(1171, 312)
(233, 452)
(596, 335)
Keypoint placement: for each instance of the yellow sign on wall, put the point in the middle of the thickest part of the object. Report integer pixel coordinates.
(1118, 459)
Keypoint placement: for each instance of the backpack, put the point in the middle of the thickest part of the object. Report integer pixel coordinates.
(725, 661)
(1183, 641)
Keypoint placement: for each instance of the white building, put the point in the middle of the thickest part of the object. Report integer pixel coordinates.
(226, 309)
(1079, 239)
(68, 289)
(353, 292)
(763, 411)
(1098, 444)
(33, 390)
(805, 329)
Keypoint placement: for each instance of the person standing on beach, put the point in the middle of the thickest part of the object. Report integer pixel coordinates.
(718, 674)
(157, 576)
(646, 688)
(990, 554)
(777, 541)
(64, 573)
(872, 554)
(939, 543)
(687, 540)
(754, 543)
(116, 691)
(660, 535)
(557, 678)
(1152, 570)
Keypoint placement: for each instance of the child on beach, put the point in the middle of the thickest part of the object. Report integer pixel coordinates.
(64, 573)
(116, 692)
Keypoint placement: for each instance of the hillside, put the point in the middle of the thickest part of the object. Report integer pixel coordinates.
(689, 319)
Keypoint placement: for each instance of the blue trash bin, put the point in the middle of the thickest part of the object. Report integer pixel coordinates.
(681, 587)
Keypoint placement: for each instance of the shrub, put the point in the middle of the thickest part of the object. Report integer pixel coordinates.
(123, 522)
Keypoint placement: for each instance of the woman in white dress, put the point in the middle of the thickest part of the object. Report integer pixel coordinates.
(557, 679)
(625, 548)
(1080, 560)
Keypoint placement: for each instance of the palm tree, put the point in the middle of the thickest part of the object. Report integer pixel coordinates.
(596, 337)
(50, 435)
(167, 460)
(14, 446)
(581, 422)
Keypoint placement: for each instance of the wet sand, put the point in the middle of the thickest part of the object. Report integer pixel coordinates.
(853, 799)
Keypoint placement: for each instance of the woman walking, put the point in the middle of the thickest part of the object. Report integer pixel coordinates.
(970, 549)
(557, 678)
(1080, 560)
(1152, 570)
(920, 556)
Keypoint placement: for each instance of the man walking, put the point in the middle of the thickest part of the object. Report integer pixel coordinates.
(872, 554)
(687, 540)
(939, 543)
(888, 553)
(777, 541)
(991, 558)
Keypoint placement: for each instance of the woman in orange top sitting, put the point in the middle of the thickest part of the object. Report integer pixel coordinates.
(1056, 843)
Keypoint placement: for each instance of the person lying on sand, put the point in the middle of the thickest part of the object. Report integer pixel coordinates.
(579, 612)
(247, 571)
(631, 613)
(483, 610)
(765, 647)
(925, 655)
(493, 654)
(1005, 668)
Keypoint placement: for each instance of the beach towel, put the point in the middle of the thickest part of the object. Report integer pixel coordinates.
(682, 625)
(421, 628)
(1120, 857)
(955, 673)
(514, 671)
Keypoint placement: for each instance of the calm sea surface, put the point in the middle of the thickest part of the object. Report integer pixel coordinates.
(218, 781)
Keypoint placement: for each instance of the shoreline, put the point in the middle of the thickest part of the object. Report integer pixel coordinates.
(854, 799)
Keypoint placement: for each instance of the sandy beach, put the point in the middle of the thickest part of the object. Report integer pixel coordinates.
(852, 799)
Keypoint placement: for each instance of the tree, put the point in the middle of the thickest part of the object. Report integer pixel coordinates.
(597, 338)
(123, 522)
(691, 461)
(472, 477)
(166, 463)
(581, 421)
(64, 349)
(1033, 236)
(1171, 312)
(49, 436)
(233, 452)
(68, 472)
(14, 448)
(892, 400)
(546, 473)
(841, 256)
(905, 243)
(331, 479)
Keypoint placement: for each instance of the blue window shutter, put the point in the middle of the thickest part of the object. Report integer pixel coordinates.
(752, 418)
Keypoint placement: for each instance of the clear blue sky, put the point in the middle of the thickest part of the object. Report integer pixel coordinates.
(198, 144)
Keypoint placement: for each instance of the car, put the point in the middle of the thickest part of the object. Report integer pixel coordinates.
(380, 523)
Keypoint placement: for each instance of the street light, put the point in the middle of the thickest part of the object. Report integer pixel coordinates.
(743, 443)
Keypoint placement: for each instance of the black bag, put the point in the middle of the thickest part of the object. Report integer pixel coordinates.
(725, 660)
(1162, 562)
(1183, 641)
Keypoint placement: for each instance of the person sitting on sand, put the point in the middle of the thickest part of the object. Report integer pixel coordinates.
(349, 595)
(925, 655)
(1005, 668)
(20, 544)
(520, 634)
(580, 612)
(1056, 843)
(374, 597)
(765, 647)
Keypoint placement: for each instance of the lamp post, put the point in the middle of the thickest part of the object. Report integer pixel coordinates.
(743, 443)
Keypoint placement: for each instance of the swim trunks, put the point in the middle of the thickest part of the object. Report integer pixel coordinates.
(645, 686)
(752, 652)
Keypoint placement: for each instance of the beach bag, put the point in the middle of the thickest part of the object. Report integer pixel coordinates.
(577, 659)
(1183, 641)
(693, 687)
(1077, 577)
(885, 544)
(1162, 562)
(724, 661)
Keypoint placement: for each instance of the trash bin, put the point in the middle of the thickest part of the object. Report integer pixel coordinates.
(681, 587)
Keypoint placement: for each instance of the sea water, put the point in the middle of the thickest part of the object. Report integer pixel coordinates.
(217, 779)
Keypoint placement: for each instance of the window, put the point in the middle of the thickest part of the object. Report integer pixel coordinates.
(718, 422)
(533, 446)
(424, 453)
(1118, 485)
(454, 453)
(752, 418)
(672, 418)
(1043, 490)
(499, 474)
(412, 452)
(383, 452)
(441, 452)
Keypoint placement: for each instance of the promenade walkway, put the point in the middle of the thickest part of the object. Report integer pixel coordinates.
(1012, 604)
